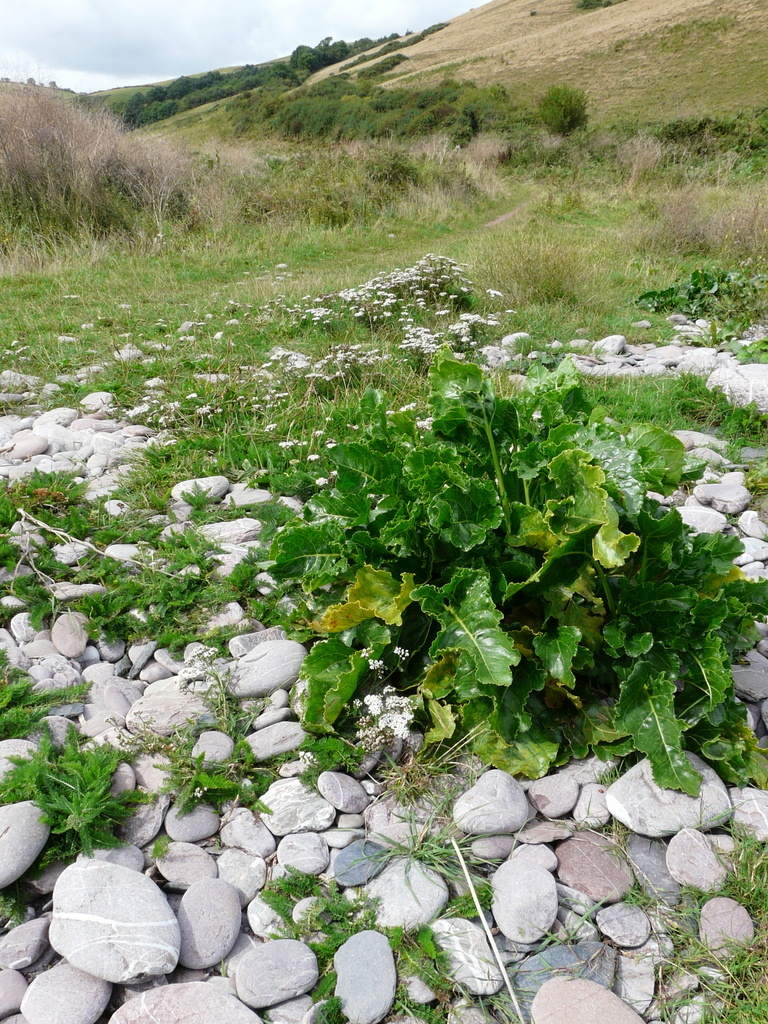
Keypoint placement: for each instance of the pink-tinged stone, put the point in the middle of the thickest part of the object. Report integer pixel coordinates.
(725, 924)
(594, 865)
(578, 1001)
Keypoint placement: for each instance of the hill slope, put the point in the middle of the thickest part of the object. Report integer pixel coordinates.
(653, 59)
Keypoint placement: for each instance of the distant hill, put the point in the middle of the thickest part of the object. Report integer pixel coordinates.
(638, 60)
(653, 59)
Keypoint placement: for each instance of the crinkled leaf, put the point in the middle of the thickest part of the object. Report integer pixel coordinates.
(443, 722)
(530, 528)
(315, 553)
(361, 469)
(470, 620)
(347, 510)
(439, 677)
(333, 672)
(707, 681)
(646, 710)
(662, 454)
(556, 650)
(374, 594)
(462, 516)
(460, 394)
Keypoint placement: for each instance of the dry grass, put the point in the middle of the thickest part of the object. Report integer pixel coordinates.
(64, 170)
(656, 59)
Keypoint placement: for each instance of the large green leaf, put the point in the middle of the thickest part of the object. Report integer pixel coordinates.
(374, 594)
(333, 672)
(315, 553)
(443, 722)
(362, 469)
(708, 680)
(662, 455)
(463, 516)
(556, 649)
(470, 620)
(461, 394)
(646, 710)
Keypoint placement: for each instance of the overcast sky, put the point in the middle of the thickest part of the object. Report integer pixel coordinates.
(96, 44)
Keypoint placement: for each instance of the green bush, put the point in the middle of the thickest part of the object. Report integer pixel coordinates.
(563, 109)
(501, 564)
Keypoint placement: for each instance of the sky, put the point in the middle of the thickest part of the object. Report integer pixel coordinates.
(87, 45)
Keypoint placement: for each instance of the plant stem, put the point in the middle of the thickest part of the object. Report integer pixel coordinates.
(499, 477)
(606, 588)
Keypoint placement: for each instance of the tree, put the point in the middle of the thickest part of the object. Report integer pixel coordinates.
(563, 109)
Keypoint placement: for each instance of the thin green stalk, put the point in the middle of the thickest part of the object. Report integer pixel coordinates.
(606, 588)
(499, 477)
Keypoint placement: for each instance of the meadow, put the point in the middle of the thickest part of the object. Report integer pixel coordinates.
(269, 284)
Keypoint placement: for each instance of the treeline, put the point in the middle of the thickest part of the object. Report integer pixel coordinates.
(339, 108)
(184, 93)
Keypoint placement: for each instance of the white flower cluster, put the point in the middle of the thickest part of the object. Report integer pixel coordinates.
(384, 717)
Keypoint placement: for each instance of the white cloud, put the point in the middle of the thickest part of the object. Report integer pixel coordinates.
(92, 44)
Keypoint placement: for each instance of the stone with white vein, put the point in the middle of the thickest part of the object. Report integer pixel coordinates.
(113, 923)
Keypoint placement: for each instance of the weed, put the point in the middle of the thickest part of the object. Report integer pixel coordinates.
(21, 708)
(72, 788)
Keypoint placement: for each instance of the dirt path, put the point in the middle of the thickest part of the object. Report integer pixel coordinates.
(506, 216)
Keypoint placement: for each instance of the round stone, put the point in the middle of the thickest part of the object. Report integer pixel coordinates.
(750, 811)
(246, 873)
(359, 862)
(409, 893)
(201, 822)
(539, 854)
(554, 795)
(214, 746)
(276, 739)
(185, 863)
(591, 809)
(113, 923)
(306, 852)
(69, 634)
(209, 922)
(272, 665)
(524, 901)
(13, 987)
(366, 977)
(24, 944)
(693, 860)
(264, 922)
(495, 804)
(187, 1003)
(127, 856)
(626, 925)
(343, 792)
(724, 925)
(22, 838)
(277, 971)
(166, 711)
(14, 748)
(471, 960)
(244, 830)
(579, 1001)
(294, 808)
(65, 995)
(594, 865)
(647, 809)
(145, 822)
(213, 488)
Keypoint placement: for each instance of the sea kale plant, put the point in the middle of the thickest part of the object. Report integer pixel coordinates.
(501, 563)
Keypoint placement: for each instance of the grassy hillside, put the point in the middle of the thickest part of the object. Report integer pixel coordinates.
(654, 59)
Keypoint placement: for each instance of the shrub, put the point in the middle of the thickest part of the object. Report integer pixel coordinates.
(501, 564)
(66, 170)
(563, 109)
